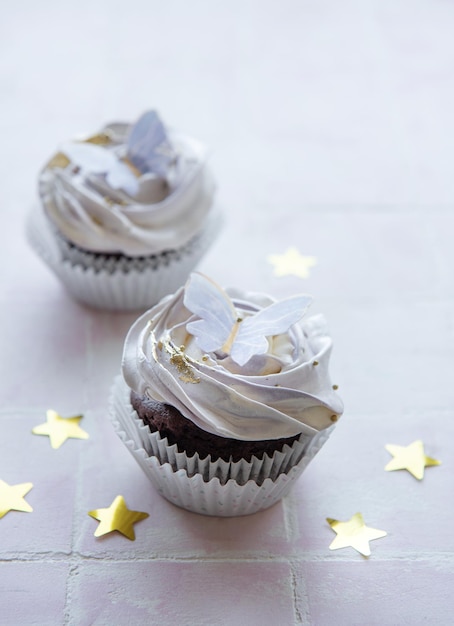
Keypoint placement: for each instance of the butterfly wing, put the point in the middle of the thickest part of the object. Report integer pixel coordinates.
(273, 320)
(121, 177)
(89, 157)
(217, 314)
(148, 146)
(96, 160)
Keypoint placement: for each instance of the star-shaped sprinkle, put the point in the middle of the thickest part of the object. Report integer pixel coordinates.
(117, 517)
(12, 497)
(59, 429)
(292, 263)
(354, 534)
(411, 458)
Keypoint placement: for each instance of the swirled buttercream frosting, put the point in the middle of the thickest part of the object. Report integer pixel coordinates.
(135, 189)
(238, 365)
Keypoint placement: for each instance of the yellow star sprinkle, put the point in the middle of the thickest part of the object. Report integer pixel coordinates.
(59, 429)
(354, 534)
(12, 497)
(292, 263)
(411, 458)
(117, 517)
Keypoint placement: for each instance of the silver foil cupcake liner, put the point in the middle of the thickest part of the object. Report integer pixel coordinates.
(206, 487)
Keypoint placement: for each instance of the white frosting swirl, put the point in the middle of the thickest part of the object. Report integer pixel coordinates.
(164, 214)
(279, 394)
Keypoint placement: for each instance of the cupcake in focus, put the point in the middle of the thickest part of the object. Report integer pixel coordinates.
(225, 396)
(125, 214)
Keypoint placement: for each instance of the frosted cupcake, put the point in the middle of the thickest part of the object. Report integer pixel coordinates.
(225, 396)
(125, 214)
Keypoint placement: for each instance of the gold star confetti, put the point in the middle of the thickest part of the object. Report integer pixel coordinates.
(12, 497)
(117, 517)
(411, 458)
(292, 263)
(354, 534)
(59, 429)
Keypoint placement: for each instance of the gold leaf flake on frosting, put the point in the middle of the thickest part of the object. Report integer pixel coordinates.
(100, 139)
(59, 160)
(110, 202)
(180, 361)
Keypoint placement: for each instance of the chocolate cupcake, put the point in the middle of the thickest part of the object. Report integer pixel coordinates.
(190, 439)
(125, 214)
(225, 396)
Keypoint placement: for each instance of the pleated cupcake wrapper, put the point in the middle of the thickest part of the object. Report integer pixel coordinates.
(119, 263)
(127, 286)
(200, 485)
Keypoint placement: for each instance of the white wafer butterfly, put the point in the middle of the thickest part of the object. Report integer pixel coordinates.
(96, 160)
(221, 329)
(149, 148)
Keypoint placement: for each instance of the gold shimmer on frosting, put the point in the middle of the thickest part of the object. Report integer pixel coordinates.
(59, 160)
(100, 139)
(180, 361)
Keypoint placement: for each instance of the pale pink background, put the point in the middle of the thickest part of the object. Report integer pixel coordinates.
(332, 129)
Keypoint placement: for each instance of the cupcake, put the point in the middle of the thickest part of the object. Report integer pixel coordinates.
(225, 396)
(126, 214)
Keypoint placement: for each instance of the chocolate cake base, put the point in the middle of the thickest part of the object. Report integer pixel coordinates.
(117, 262)
(189, 438)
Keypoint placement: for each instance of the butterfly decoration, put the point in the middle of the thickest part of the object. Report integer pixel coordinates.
(221, 329)
(97, 160)
(149, 148)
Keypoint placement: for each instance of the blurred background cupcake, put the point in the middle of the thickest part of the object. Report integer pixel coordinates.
(225, 396)
(125, 214)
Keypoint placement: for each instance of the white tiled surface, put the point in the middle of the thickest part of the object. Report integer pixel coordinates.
(332, 130)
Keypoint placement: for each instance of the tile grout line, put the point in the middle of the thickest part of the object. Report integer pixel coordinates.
(290, 518)
(300, 599)
(78, 558)
(74, 559)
